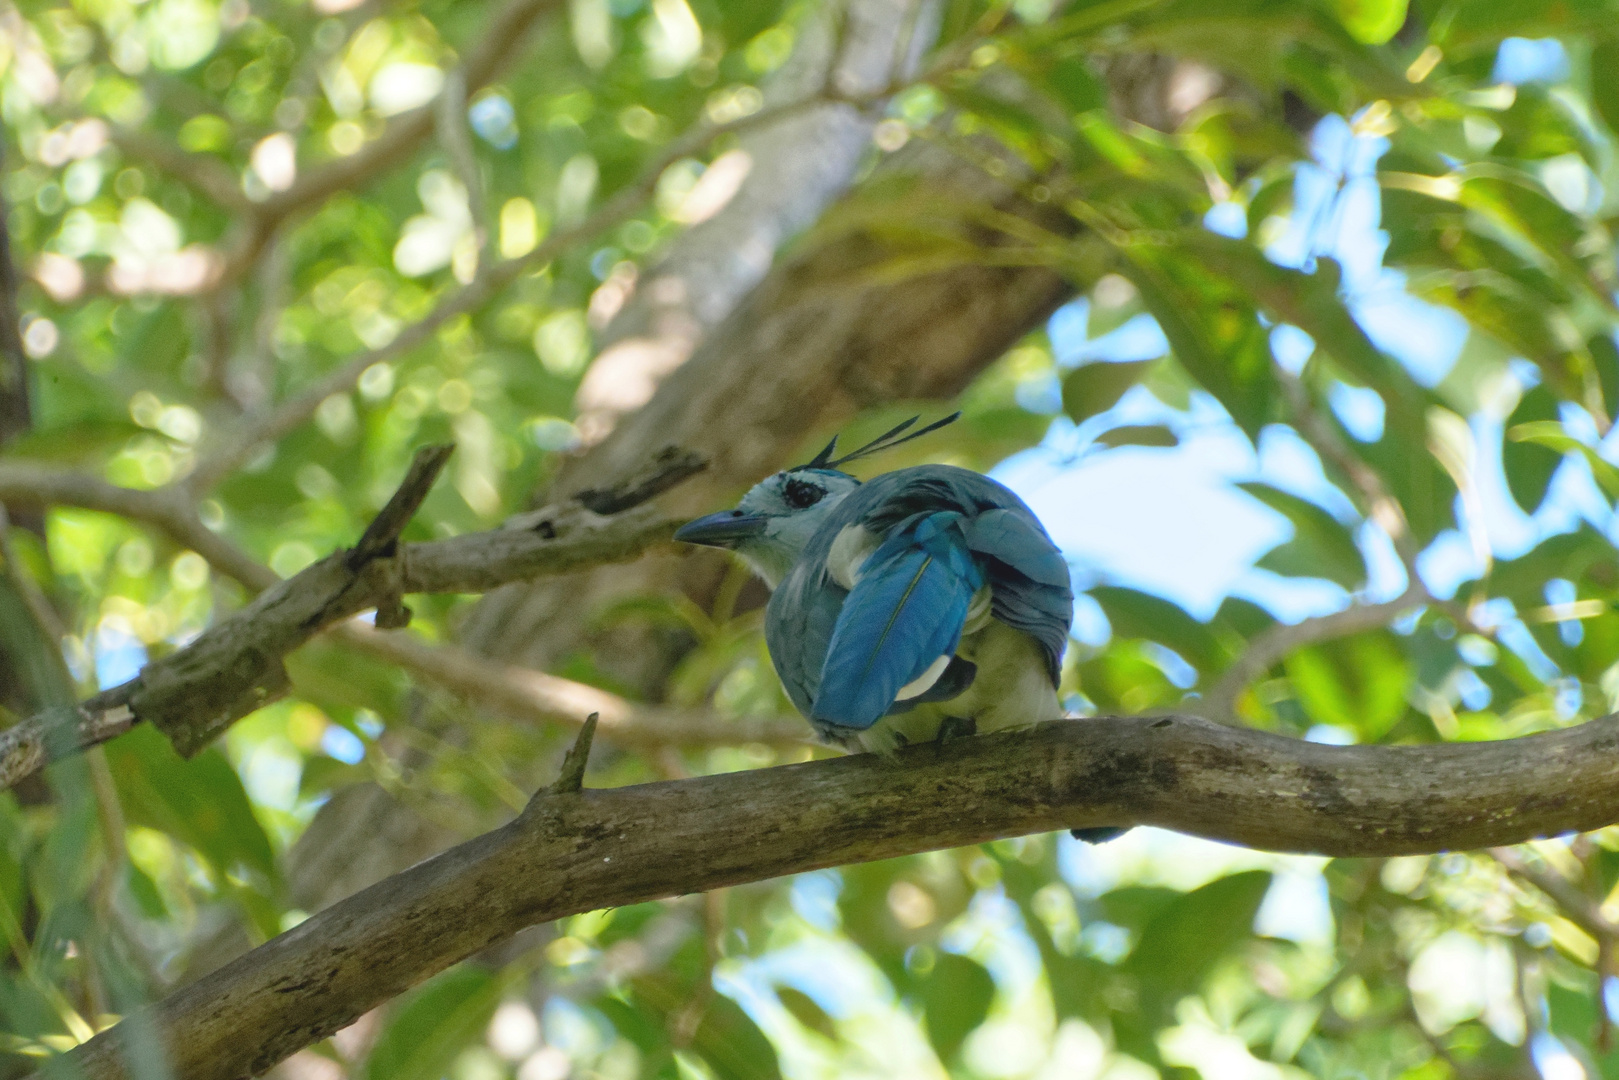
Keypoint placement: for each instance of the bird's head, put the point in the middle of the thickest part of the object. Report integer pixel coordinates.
(773, 523)
(775, 520)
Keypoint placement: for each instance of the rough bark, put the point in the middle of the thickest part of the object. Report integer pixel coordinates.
(573, 851)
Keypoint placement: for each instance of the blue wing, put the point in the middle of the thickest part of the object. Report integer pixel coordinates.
(906, 611)
(798, 628)
(1028, 576)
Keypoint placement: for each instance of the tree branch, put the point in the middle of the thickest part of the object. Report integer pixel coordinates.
(1271, 647)
(1374, 499)
(1584, 911)
(235, 666)
(25, 483)
(537, 698)
(575, 852)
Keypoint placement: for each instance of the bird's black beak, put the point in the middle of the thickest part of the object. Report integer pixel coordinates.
(725, 529)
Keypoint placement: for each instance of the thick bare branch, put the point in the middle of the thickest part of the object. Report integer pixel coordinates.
(575, 852)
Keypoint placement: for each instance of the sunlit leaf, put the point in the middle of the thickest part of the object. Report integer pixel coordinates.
(1359, 684)
(1320, 546)
(1552, 434)
(1529, 464)
(1138, 435)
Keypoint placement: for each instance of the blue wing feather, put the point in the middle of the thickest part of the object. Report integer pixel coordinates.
(992, 533)
(906, 612)
(1028, 576)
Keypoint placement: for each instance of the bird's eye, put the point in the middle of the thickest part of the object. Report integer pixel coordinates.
(801, 494)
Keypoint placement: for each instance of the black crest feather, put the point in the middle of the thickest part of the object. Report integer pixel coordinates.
(886, 441)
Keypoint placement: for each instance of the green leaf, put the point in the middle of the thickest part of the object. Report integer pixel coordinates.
(200, 802)
(1213, 331)
(1359, 684)
(1097, 386)
(1134, 614)
(726, 1039)
(1138, 435)
(1529, 464)
(1605, 82)
(1073, 83)
(1371, 22)
(1551, 433)
(145, 892)
(1605, 359)
(806, 1012)
(1178, 948)
(955, 1000)
(1320, 547)
(428, 1029)
(732, 1045)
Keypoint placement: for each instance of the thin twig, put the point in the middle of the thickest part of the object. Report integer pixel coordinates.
(454, 136)
(1272, 646)
(25, 483)
(382, 535)
(571, 778)
(1377, 502)
(1583, 911)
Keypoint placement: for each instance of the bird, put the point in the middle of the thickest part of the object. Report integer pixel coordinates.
(924, 603)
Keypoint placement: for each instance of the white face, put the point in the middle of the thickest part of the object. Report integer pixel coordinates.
(793, 506)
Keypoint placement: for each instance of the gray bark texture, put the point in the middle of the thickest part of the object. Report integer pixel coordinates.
(577, 850)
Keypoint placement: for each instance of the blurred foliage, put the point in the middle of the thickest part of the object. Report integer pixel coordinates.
(142, 135)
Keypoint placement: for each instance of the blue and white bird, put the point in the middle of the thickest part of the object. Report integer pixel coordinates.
(924, 603)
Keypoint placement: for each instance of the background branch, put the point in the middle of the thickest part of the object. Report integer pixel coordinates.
(24, 483)
(535, 697)
(1271, 647)
(576, 852)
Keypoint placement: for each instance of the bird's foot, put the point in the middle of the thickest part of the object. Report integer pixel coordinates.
(956, 727)
(1101, 834)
